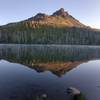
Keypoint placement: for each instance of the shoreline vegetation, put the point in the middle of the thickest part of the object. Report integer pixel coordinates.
(50, 35)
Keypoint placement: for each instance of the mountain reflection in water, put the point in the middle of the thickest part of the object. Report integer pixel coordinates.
(21, 67)
(55, 58)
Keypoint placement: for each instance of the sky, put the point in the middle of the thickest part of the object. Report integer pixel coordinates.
(86, 11)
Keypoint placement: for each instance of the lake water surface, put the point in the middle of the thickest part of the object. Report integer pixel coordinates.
(20, 79)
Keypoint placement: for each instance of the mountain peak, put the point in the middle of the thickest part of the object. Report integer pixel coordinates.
(40, 16)
(61, 12)
(58, 18)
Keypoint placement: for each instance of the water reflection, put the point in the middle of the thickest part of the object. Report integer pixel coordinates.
(56, 58)
(19, 82)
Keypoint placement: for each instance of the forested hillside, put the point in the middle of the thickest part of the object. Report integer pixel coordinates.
(58, 28)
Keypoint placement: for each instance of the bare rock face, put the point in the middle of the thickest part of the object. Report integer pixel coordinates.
(40, 16)
(58, 18)
(61, 13)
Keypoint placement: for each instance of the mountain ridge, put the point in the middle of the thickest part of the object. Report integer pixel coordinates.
(57, 28)
(59, 17)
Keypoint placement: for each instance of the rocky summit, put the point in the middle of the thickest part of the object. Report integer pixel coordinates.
(58, 18)
(61, 13)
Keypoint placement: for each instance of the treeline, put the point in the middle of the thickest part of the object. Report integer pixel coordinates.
(36, 33)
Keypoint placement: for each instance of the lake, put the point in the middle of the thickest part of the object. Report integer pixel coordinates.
(28, 71)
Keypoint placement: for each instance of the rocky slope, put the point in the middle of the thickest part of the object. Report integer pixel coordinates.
(58, 18)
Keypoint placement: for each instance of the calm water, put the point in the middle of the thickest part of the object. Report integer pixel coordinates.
(21, 80)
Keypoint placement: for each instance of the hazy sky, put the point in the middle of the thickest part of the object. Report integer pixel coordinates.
(87, 11)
